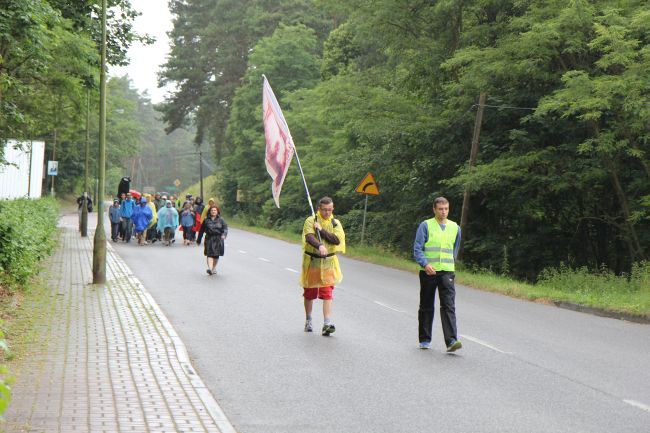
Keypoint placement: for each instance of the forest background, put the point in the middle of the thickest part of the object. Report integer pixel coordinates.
(49, 81)
(389, 87)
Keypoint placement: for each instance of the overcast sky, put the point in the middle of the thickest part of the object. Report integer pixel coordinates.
(145, 61)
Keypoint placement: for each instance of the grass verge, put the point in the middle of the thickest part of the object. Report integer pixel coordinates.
(627, 296)
(21, 313)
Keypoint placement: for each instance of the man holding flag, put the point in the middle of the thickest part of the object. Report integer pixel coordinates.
(322, 235)
(322, 238)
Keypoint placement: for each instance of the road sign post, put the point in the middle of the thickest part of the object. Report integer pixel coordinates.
(367, 187)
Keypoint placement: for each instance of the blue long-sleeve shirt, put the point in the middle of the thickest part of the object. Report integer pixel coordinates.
(127, 208)
(421, 238)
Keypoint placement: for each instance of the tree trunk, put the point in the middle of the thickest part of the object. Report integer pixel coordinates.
(633, 238)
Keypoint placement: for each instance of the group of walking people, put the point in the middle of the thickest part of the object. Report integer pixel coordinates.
(151, 219)
(435, 249)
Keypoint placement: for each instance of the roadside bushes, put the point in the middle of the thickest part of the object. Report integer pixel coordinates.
(583, 280)
(26, 236)
(626, 292)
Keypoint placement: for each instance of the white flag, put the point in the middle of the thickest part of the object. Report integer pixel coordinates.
(279, 144)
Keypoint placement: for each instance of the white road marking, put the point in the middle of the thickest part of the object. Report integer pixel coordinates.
(638, 404)
(389, 307)
(292, 270)
(484, 344)
(242, 251)
(264, 260)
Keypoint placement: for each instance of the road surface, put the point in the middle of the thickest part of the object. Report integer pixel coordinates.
(525, 367)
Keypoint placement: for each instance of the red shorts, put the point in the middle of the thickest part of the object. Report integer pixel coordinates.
(320, 292)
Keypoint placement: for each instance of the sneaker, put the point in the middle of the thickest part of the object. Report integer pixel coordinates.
(424, 345)
(328, 328)
(209, 271)
(308, 326)
(454, 345)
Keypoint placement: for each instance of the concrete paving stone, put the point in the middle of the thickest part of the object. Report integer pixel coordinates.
(104, 361)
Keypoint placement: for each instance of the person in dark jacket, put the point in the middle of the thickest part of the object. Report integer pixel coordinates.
(124, 186)
(89, 203)
(215, 230)
(115, 216)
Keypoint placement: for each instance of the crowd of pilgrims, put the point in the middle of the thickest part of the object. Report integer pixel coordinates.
(150, 219)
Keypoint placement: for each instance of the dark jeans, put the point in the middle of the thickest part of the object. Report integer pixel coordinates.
(127, 228)
(187, 233)
(444, 283)
(152, 234)
(115, 230)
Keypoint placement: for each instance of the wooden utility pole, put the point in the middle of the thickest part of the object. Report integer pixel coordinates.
(99, 246)
(53, 159)
(84, 205)
(201, 172)
(472, 161)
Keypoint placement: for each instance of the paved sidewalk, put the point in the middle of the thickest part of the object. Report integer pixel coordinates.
(108, 360)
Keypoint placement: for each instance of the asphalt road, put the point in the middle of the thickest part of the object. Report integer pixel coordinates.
(525, 367)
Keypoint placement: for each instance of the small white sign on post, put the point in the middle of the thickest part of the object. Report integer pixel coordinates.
(52, 168)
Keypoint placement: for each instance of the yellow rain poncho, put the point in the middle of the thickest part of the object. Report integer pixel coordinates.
(211, 202)
(152, 206)
(322, 271)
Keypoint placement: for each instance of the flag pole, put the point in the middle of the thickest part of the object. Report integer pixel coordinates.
(295, 152)
(304, 182)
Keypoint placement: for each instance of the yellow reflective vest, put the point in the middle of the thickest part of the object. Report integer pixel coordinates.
(439, 248)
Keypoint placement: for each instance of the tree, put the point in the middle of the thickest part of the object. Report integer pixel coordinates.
(210, 45)
(289, 57)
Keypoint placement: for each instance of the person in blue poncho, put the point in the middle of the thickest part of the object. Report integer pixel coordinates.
(167, 222)
(141, 217)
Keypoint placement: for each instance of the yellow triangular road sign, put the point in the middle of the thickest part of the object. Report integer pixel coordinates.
(368, 186)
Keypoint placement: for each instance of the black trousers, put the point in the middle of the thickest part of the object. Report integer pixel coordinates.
(444, 283)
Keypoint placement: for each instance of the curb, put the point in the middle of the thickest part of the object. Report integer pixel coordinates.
(211, 405)
(602, 312)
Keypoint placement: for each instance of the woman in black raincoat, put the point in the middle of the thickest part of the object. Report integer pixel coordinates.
(215, 230)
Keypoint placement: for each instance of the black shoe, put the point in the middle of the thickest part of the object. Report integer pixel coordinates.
(454, 345)
(328, 329)
(209, 271)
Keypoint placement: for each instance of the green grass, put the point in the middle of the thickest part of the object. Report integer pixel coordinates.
(627, 294)
(22, 312)
(208, 188)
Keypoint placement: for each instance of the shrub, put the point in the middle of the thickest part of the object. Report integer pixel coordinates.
(584, 281)
(26, 236)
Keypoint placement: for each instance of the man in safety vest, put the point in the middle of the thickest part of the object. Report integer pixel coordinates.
(435, 249)
(322, 239)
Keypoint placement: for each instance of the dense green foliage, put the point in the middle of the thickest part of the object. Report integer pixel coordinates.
(391, 87)
(26, 237)
(49, 73)
(49, 57)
